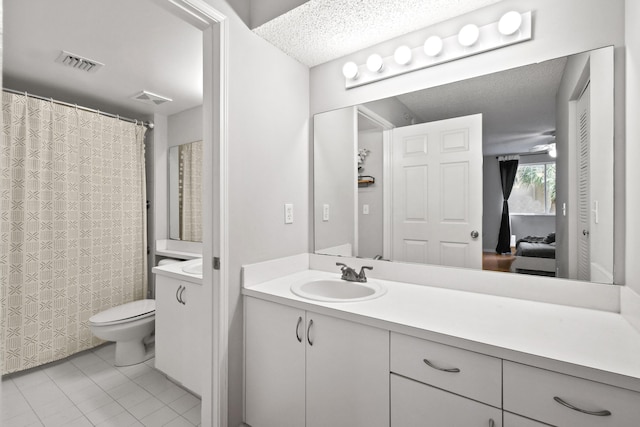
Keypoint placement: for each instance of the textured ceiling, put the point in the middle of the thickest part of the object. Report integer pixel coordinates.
(322, 30)
(143, 47)
(518, 105)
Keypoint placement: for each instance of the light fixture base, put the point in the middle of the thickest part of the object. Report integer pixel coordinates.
(489, 38)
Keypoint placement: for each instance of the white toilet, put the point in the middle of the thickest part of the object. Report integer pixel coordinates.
(129, 325)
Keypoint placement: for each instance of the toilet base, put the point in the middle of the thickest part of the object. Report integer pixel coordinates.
(132, 352)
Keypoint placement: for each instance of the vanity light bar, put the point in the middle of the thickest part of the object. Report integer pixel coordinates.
(512, 28)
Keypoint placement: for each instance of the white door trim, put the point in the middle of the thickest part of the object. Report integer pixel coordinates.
(387, 201)
(215, 31)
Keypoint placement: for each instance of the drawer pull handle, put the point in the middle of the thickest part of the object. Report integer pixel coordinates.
(431, 365)
(309, 332)
(492, 423)
(298, 329)
(604, 413)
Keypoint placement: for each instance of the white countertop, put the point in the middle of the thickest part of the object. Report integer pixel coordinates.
(174, 270)
(593, 344)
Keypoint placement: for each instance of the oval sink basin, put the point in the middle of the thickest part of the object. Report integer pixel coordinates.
(337, 290)
(193, 268)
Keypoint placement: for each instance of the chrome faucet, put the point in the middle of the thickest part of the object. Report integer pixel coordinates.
(350, 275)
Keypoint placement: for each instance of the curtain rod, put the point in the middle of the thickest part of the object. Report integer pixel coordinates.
(541, 153)
(91, 110)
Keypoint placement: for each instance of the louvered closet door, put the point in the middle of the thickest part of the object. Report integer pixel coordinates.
(584, 252)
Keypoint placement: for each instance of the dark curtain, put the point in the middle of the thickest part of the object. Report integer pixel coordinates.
(508, 169)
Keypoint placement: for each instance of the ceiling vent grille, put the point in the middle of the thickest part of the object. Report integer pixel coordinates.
(150, 98)
(78, 62)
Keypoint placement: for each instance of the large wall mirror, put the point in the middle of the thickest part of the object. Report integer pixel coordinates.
(185, 192)
(422, 177)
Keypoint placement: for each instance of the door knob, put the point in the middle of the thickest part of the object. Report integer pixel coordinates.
(475, 234)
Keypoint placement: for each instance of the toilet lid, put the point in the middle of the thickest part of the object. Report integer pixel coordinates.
(140, 308)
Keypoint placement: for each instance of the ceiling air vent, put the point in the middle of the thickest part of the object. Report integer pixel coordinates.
(150, 98)
(78, 62)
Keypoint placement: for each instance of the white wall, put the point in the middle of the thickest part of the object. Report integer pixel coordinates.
(632, 276)
(185, 127)
(335, 134)
(268, 164)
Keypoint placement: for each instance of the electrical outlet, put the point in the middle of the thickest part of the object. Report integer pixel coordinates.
(325, 212)
(365, 209)
(288, 213)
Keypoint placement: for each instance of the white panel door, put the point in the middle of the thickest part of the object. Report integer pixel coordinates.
(274, 364)
(437, 192)
(347, 374)
(584, 214)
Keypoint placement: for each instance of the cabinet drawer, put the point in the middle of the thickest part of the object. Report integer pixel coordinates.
(418, 405)
(532, 392)
(511, 420)
(470, 374)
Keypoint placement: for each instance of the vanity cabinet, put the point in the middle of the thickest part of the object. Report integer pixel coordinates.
(567, 401)
(178, 339)
(307, 369)
(434, 384)
(414, 404)
(511, 420)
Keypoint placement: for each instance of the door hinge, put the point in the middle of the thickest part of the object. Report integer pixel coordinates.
(216, 263)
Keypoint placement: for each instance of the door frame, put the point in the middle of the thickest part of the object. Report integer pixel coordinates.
(215, 31)
(387, 162)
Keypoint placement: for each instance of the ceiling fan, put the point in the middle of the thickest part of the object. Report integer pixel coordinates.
(549, 148)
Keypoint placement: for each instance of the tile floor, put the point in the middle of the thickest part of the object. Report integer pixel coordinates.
(87, 390)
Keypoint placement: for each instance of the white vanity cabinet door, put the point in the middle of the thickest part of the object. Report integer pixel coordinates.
(177, 341)
(532, 392)
(168, 340)
(306, 369)
(511, 420)
(274, 364)
(347, 373)
(414, 404)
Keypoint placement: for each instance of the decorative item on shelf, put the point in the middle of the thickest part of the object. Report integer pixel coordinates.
(362, 155)
(365, 180)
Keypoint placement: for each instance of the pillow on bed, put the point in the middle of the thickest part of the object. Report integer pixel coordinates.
(551, 238)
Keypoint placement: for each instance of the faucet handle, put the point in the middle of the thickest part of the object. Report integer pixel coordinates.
(362, 275)
(341, 265)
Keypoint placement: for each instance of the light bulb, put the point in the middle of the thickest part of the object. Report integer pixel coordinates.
(509, 23)
(402, 55)
(350, 70)
(375, 63)
(468, 35)
(433, 46)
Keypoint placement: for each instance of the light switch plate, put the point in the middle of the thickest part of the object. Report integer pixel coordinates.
(365, 209)
(288, 213)
(325, 212)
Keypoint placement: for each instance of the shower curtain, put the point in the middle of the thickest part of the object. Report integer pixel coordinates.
(190, 191)
(72, 227)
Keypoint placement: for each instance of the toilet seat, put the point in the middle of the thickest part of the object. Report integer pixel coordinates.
(128, 312)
